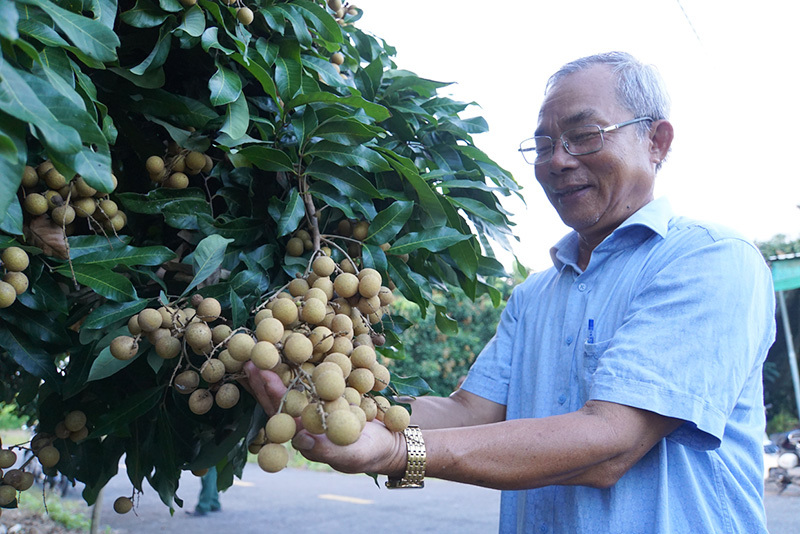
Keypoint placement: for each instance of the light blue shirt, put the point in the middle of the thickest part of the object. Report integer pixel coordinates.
(683, 316)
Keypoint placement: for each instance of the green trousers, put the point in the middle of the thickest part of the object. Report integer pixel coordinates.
(209, 496)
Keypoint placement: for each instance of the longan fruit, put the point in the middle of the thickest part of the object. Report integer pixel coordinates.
(297, 348)
(294, 401)
(61, 431)
(124, 347)
(75, 420)
(245, 15)
(337, 58)
(177, 180)
(220, 333)
(273, 457)
(386, 296)
(115, 223)
(7, 458)
(352, 396)
(369, 285)
(369, 305)
(240, 346)
(48, 456)
(298, 287)
(269, 329)
(201, 401)
(383, 405)
(316, 293)
(265, 355)
(335, 5)
(123, 505)
(158, 334)
(195, 160)
(396, 418)
(208, 165)
(356, 410)
(348, 266)
(231, 365)
(261, 315)
(321, 339)
(326, 285)
(150, 319)
(197, 335)
(280, 428)
(154, 165)
(35, 204)
(17, 280)
(79, 435)
(108, 208)
(54, 179)
(311, 418)
(26, 481)
(363, 356)
(29, 177)
(212, 370)
(15, 259)
(340, 359)
(186, 382)
(7, 494)
(330, 385)
(168, 347)
(382, 376)
(344, 427)
(294, 247)
(346, 284)
(227, 396)
(361, 379)
(323, 266)
(82, 188)
(361, 230)
(285, 310)
(313, 311)
(342, 345)
(209, 309)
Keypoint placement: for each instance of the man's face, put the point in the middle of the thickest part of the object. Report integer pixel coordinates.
(595, 193)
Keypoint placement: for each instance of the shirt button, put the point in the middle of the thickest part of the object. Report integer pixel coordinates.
(542, 528)
(581, 287)
(568, 340)
(562, 399)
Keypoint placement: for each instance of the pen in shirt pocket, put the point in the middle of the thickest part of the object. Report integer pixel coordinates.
(590, 338)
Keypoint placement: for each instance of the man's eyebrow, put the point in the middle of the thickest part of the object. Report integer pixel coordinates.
(579, 118)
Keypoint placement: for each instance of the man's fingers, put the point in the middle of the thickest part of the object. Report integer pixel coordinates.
(266, 386)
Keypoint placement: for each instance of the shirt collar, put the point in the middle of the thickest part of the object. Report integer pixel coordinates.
(654, 216)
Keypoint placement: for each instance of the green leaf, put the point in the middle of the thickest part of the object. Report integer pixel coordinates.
(287, 76)
(348, 181)
(106, 365)
(129, 409)
(242, 230)
(111, 312)
(427, 197)
(194, 21)
(225, 86)
(321, 20)
(158, 56)
(446, 324)
(388, 223)
(479, 209)
(346, 156)
(376, 111)
(94, 38)
(144, 14)
(346, 131)
(206, 259)
(102, 280)
(210, 39)
(411, 386)
(267, 159)
(434, 240)
(12, 222)
(157, 200)
(13, 155)
(237, 118)
(291, 214)
(37, 325)
(298, 23)
(30, 356)
(154, 255)
(255, 65)
(80, 245)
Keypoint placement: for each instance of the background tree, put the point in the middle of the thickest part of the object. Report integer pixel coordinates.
(158, 153)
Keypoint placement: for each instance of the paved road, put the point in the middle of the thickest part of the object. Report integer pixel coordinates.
(301, 501)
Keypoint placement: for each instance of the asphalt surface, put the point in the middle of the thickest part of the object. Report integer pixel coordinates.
(304, 501)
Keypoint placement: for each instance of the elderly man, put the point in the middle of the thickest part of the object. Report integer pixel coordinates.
(622, 391)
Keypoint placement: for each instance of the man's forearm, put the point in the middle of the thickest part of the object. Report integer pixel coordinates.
(459, 409)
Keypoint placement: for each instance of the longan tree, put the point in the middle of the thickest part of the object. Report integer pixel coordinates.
(188, 186)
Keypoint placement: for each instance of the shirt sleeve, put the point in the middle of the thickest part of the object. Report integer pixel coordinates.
(698, 326)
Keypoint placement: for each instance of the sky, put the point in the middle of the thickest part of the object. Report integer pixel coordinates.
(728, 66)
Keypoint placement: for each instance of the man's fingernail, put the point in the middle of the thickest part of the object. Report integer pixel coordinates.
(303, 442)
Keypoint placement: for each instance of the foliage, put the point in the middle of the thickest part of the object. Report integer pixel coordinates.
(295, 143)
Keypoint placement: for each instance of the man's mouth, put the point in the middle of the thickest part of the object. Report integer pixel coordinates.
(566, 192)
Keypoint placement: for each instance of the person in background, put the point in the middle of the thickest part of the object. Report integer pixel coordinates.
(208, 501)
(622, 391)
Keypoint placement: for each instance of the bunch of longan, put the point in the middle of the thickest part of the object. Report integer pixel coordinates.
(341, 10)
(14, 260)
(46, 190)
(173, 170)
(12, 480)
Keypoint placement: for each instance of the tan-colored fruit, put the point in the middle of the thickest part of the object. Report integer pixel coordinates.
(361, 230)
(177, 180)
(352, 10)
(352, 396)
(273, 457)
(7, 458)
(178, 163)
(212, 370)
(316, 293)
(269, 329)
(346, 285)
(294, 247)
(7, 494)
(208, 165)
(209, 309)
(294, 401)
(344, 427)
(18, 281)
(79, 435)
(337, 58)
(25, 481)
(195, 160)
(348, 266)
(240, 346)
(201, 401)
(197, 335)
(298, 287)
(124, 347)
(326, 285)
(330, 385)
(245, 15)
(363, 356)
(280, 428)
(154, 165)
(360, 325)
(340, 359)
(285, 310)
(82, 188)
(313, 311)
(8, 295)
(186, 382)
(168, 347)
(396, 418)
(386, 296)
(321, 339)
(48, 456)
(382, 376)
(123, 505)
(335, 5)
(150, 319)
(359, 413)
(311, 418)
(75, 420)
(298, 348)
(227, 396)
(157, 335)
(323, 266)
(43, 167)
(261, 315)
(220, 333)
(383, 405)
(369, 285)
(29, 177)
(166, 316)
(84, 207)
(15, 259)
(265, 355)
(369, 305)
(361, 379)
(200, 472)
(54, 179)
(231, 366)
(284, 372)
(115, 223)
(35, 204)
(61, 431)
(343, 345)
(108, 208)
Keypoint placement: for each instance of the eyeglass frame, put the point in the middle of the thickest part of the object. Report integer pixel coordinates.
(602, 130)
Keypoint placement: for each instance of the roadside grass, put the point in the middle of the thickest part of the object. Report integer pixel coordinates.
(71, 514)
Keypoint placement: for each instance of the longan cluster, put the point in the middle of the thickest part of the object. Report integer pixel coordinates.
(173, 170)
(46, 190)
(14, 260)
(341, 10)
(317, 337)
(12, 480)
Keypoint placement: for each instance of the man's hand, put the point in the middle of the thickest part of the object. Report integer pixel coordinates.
(266, 386)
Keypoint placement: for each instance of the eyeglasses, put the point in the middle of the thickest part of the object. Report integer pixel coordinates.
(576, 141)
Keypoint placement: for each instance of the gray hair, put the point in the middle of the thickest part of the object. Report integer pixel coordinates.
(640, 88)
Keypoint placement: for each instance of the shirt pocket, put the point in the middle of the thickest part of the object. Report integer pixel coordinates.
(591, 357)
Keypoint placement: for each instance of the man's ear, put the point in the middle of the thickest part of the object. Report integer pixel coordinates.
(661, 135)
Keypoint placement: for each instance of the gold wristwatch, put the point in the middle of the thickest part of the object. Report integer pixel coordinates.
(415, 468)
